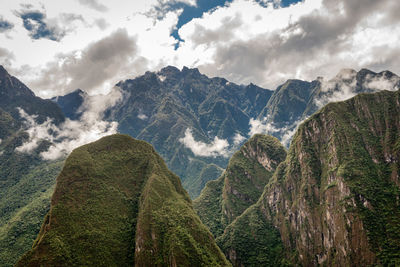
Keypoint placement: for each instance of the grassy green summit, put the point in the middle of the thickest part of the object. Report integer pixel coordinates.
(241, 185)
(117, 204)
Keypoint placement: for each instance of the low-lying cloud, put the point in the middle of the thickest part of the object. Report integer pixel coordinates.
(71, 133)
(218, 147)
(265, 126)
(345, 85)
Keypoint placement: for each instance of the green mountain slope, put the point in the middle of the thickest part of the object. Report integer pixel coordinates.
(334, 201)
(117, 204)
(26, 181)
(241, 185)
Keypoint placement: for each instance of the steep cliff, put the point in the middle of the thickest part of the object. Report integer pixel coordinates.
(335, 200)
(240, 186)
(117, 204)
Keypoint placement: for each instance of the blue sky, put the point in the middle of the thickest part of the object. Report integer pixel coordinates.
(56, 47)
(203, 6)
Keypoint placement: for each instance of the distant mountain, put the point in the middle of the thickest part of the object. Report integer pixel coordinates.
(26, 181)
(296, 100)
(71, 104)
(117, 204)
(241, 185)
(334, 200)
(159, 107)
(14, 93)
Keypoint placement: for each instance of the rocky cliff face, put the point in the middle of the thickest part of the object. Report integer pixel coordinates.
(335, 200)
(240, 186)
(116, 203)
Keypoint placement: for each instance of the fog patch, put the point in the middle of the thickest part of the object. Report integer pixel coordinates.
(71, 133)
(218, 147)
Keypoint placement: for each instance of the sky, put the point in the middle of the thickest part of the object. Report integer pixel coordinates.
(57, 46)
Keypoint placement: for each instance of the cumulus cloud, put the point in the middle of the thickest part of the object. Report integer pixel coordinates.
(94, 4)
(346, 85)
(39, 26)
(382, 82)
(238, 139)
(265, 126)
(71, 134)
(340, 88)
(307, 39)
(218, 147)
(100, 64)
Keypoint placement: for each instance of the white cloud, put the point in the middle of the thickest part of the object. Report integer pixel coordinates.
(344, 86)
(265, 126)
(238, 139)
(219, 147)
(382, 83)
(241, 41)
(71, 134)
(142, 116)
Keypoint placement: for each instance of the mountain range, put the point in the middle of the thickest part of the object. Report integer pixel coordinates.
(293, 206)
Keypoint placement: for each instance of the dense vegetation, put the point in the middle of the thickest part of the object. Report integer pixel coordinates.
(241, 185)
(26, 181)
(117, 204)
(335, 196)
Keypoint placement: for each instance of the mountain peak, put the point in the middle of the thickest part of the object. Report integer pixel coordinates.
(3, 71)
(169, 71)
(189, 70)
(346, 74)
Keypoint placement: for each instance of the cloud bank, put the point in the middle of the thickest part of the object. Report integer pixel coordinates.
(218, 147)
(93, 69)
(71, 134)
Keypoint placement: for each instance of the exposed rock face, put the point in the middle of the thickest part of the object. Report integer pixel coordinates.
(248, 171)
(117, 204)
(71, 104)
(335, 200)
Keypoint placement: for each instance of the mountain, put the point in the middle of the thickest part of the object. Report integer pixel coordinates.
(117, 204)
(13, 94)
(71, 104)
(242, 183)
(296, 100)
(26, 181)
(168, 107)
(159, 107)
(335, 199)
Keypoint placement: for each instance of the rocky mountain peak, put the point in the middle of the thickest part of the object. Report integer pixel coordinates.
(346, 74)
(3, 72)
